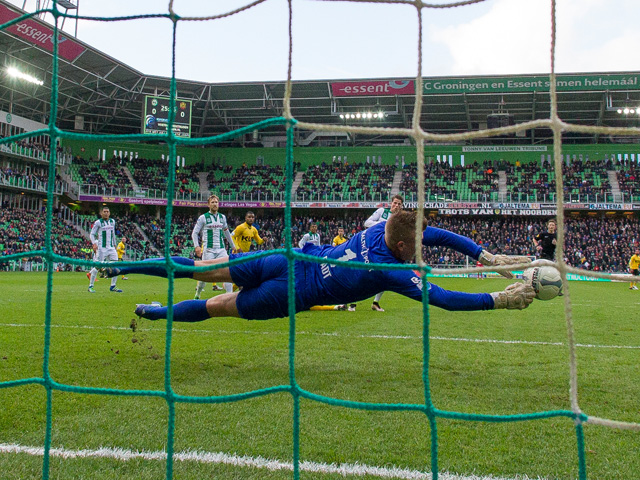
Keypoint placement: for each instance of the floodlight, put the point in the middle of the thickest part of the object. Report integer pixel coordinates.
(626, 111)
(14, 72)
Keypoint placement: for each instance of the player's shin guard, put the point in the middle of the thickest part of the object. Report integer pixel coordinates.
(153, 270)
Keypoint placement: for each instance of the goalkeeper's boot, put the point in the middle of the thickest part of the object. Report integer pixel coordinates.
(110, 271)
(516, 296)
(351, 307)
(376, 306)
(488, 259)
(149, 311)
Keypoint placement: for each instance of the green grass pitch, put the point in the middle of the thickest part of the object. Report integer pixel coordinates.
(501, 362)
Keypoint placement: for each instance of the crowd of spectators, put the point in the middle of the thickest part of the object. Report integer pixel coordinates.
(104, 175)
(36, 146)
(338, 180)
(24, 231)
(263, 181)
(149, 173)
(36, 176)
(608, 250)
(440, 180)
(629, 180)
(598, 244)
(536, 181)
(603, 243)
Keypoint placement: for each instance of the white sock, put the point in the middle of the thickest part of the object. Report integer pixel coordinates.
(378, 297)
(200, 287)
(114, 280)
(94, 274)
(228, 287)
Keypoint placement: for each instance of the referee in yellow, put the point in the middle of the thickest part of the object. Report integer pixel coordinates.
(120, 249)
(634, 265)
(245, 233)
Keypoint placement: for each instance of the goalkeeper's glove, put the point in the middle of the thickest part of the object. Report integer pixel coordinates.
(515, 296)
(488, 259)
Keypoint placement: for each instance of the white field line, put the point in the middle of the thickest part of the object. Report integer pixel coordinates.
(344, 469)
(333, 334)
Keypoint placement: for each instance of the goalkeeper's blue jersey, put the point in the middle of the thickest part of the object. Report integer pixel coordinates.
(324, 284)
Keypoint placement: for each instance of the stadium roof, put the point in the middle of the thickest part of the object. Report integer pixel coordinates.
(110, 96)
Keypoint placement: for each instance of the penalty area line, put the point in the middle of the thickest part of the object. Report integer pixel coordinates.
(343, 469)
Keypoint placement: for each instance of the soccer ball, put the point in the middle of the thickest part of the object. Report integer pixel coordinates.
(546, 281)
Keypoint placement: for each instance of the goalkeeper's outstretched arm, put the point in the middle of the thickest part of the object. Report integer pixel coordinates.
(438, 237)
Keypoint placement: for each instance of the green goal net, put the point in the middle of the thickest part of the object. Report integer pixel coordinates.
(434, 414)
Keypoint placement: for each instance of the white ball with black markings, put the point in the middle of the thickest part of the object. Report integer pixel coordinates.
(546, 281)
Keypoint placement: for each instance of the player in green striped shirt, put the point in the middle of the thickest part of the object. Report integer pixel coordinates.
(208, 239)
(103, 240)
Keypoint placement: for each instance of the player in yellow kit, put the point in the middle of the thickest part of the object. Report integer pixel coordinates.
(120, 249)
(245, 233)
(339, 239)
(634, 265)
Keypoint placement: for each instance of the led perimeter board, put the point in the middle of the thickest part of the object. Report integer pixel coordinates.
(156, 116)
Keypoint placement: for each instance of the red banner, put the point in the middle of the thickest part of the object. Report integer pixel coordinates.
(373, 88)
(37, 34)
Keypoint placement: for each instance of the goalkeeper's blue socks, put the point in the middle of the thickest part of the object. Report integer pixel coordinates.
(154, 270)
(187, 311)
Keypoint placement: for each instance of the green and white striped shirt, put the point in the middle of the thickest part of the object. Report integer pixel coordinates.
(380, 215)
(211, 227)
(313, 238)
(103, 233)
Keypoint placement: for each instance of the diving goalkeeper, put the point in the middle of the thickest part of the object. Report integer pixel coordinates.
(265, 289)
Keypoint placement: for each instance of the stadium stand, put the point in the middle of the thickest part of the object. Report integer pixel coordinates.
(345, 181)
(600, 244)
(251, 182)
(608, 251)
(103, 176)
(534, 181)
(23, 231)
(628, 176)
(443, 182)
(582, 180)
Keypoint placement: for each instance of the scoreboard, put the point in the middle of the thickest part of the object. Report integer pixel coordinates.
(156, 116)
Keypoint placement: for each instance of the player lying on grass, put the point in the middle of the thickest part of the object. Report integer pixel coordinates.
(264, 280)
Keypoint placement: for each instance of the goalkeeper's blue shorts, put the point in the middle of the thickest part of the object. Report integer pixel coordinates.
(264, 293)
